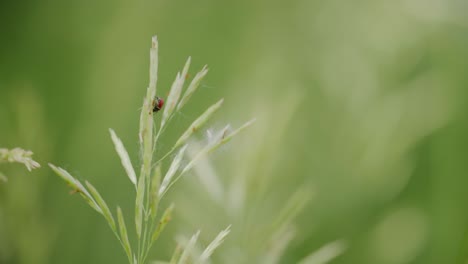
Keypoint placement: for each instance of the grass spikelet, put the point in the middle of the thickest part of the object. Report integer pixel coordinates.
(166, 217)
(124, 158)
(124, 234)
(100, 201)
(192, 87)
(76, 186)
(198, 123)
(172, 171)
(19, 155)
(174, 93)
(154, 195)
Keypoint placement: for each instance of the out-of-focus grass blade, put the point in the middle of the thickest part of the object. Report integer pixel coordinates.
(219, 239)
(124, 158)
(184, 258)
(166, 217)
(172, 170)
(139, 205)
(212, 147)
(293, 207)
(3, 177)
(326, 253)
(199, 122)
(123, 233)
(176, 255)
(76, 186)
(100, 201)
(277, 245)
(192, 87)
(174, 93)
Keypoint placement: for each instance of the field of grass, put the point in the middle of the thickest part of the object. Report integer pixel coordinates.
(358, 152)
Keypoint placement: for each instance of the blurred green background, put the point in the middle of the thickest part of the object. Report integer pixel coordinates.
(364, 101)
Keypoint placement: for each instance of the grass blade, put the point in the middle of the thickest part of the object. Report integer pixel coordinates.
(277, 245)
(326, 253)
(293, 207)
(192, 87)
(123, 233)
(199, 122)
(3, 178)
(176, 255)
(124, 158)
(100, 201)
(184, 258)
(219, 239)
(172, 170)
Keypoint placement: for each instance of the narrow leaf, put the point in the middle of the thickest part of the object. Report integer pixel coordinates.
(326, 253)
(3, 178)
(172, 170)
(188, 249)
(166, 217)
(100, 201)
(176, 255)
(123, 233)
(198, 123)
(219, 239)
(124, 158)
(277, 245)
(293, 207)
(192, 87)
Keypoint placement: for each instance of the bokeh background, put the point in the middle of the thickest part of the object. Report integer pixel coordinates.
(363, 103)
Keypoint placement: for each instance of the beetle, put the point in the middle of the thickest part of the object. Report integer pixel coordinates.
(158, 103)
